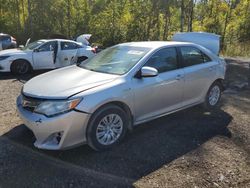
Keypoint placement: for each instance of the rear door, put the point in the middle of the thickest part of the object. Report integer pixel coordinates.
(157, 95)
(67, 54)
(199, 69)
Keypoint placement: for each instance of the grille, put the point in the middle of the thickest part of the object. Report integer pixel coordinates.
(30, 103)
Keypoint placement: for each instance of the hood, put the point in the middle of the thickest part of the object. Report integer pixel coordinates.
(208, 40)
(11, 52)
(65, 82)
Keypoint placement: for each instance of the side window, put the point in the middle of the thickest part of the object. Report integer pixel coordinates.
(68, 46)
(48, 46)
(164, 60)
(5, 39)
(193, 56)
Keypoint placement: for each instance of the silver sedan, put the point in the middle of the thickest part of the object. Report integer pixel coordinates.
(98, 101)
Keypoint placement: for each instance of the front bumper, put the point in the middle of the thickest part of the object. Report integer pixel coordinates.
(5, 65)
(55, 133)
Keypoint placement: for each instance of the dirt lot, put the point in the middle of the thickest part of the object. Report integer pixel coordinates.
(191, 148)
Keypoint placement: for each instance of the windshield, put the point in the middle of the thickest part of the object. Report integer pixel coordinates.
(115, 60)
(33, 45)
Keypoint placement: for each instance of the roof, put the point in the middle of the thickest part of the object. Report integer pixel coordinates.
(63, 40)
(3, 34)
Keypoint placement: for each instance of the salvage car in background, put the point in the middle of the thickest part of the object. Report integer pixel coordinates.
(7, 42)
(44, 54)
(97, 101)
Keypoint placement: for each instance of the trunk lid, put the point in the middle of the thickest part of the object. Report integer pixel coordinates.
(208, 40)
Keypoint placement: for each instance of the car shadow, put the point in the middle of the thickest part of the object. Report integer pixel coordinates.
(21, 78)
(150, 146)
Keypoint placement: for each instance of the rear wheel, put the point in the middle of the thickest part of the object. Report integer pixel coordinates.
(107, 127)
(213, 96)
(20, 67)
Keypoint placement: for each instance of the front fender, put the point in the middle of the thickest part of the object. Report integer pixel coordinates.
(5, 65)
(93, 100)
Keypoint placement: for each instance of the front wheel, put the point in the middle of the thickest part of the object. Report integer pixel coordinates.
(20, 67)
(107, 127)
(213, 96)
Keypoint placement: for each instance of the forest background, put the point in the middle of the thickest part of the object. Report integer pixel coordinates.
(115, 21)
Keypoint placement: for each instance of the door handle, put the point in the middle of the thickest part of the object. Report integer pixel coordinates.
(65, 59)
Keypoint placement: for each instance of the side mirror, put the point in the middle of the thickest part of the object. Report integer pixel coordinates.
(148, 72)
(36, 50)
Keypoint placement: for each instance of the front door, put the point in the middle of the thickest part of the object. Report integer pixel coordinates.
(155, 96)
(44, 56)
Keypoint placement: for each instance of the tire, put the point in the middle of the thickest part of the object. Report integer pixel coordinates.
(20, 67)
(213, 96)
(97, 125)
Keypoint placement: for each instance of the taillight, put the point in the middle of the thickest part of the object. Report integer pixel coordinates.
(13, 39)
(93, 50)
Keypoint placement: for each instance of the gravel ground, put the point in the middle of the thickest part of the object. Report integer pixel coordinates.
(190, 148)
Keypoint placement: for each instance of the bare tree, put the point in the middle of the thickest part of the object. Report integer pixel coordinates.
(191, 13)
(69, 17)
(167, 17)
(30, 18)
(23, 11)
(182, 16)
(228, 15)
(18, 16)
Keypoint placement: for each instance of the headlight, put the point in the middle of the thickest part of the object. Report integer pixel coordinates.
(52, 108)
(3, 57)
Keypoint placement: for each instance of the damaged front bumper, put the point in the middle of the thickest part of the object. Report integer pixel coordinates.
(55, 133)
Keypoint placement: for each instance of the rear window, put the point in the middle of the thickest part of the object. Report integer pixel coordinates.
(193, 56)
(69, 46)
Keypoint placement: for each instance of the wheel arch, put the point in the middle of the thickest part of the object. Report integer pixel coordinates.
(81, 58)
(221, 82)
(22, 59)
(206, 89)
(124, 107)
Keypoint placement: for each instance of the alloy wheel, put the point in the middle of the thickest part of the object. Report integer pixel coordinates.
(109, 129)
(214, 95)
